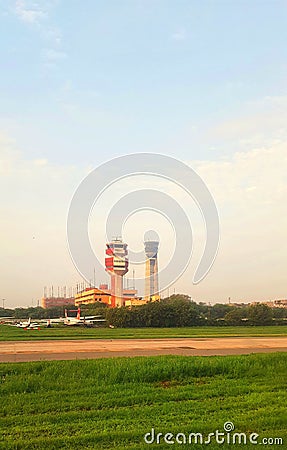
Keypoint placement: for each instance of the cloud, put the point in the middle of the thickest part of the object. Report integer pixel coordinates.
(29, 12)
(53, 55)
(260, 172)
(53, 34)
(40, 162)
(262, 121)
(179, 35)
(250, 190)
(36, 14)
(27, 171)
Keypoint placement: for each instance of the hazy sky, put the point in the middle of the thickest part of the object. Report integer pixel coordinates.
(203, 81)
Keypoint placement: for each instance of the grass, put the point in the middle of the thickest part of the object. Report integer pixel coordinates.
(8, 333)
(112, 403)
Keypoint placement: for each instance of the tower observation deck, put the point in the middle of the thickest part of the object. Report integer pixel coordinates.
(116, 262)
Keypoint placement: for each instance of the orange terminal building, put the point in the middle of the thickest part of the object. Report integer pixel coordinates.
(92, 295)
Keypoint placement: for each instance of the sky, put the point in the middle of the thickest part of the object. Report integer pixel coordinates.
(202, 81)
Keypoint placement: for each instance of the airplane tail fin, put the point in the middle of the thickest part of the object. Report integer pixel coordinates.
(29, 322)
(66, 313)
(79, 313)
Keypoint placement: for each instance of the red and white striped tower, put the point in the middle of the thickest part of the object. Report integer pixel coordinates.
(117, 265)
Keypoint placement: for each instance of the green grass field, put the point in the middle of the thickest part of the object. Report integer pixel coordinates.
(112, 403)
(8, 333)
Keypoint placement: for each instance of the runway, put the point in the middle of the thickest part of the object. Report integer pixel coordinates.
(20, 351)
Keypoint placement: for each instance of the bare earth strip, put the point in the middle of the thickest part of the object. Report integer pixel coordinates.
(17, 351)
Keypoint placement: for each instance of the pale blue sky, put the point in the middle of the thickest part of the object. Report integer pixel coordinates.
(89, 80)
(84, 81)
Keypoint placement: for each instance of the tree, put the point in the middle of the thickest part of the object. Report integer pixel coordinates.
(279, 313)
(5, 312)
(259, 314)
(235, 316)
(218, 311)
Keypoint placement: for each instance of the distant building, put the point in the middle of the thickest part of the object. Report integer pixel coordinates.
(94, 295)
(276, 303)
(237, 305)
(130, 293)
(135, 302)
(50, 302)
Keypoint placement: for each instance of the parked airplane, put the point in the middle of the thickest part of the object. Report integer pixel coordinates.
(24, 324)
(51, 321)
(28, 325)
(78, 320)
(57, 320)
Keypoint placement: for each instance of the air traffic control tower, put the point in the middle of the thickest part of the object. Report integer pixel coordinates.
(151, 271)
(117, 264)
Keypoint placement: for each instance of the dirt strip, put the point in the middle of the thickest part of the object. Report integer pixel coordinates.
(19, 351)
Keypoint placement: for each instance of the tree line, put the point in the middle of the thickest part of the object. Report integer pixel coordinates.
(175, 311)
(180, 311)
